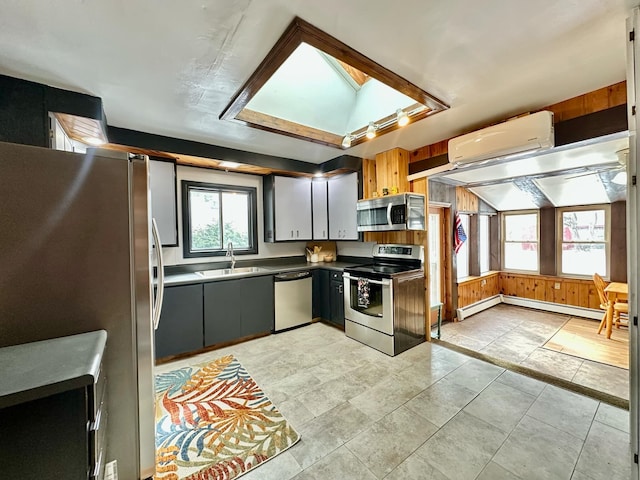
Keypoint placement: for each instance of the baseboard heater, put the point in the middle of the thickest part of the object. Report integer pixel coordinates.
(553, 307)
(477, 307)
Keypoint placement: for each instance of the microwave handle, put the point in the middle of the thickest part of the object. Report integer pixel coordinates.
(389, 214)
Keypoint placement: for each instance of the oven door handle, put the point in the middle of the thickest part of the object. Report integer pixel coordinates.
(376, 282)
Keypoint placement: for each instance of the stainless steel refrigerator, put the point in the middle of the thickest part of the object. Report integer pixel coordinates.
(75, 256)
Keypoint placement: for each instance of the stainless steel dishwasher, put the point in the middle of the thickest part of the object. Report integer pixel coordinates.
(292, 299)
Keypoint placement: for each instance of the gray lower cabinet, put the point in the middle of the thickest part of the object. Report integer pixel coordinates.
(337, 299)
(53, 409)
(180, 327)
(328, 296)
(321, 294)
(237, 308)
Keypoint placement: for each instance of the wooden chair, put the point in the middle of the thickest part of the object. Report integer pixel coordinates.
(618, 309)
(604, 301)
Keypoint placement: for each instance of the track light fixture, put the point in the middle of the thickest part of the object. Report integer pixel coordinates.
(346, 141)
(403, 118)
(371, 130)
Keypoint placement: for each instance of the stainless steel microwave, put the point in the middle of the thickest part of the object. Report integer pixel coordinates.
(405, 211)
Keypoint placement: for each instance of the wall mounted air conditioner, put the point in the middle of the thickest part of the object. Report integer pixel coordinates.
(515, 137)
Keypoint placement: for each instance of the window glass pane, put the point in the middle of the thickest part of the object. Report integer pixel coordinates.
(462, 257)
(521, 256)
(484, 243)
(235, 215)
(584, 259)
(434, 257)
(583, 226)
(205, 220)
(519, 228)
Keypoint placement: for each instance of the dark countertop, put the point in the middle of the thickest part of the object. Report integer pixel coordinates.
(174, 276)
(35, 370)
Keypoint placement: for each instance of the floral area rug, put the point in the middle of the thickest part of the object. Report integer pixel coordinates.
(213, 422)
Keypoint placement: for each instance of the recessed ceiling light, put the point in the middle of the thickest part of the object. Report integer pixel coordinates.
(226, 164)
(318, 175)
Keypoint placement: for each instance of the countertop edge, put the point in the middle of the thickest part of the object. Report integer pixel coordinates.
(192, 278)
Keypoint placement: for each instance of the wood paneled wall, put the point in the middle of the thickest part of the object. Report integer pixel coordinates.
(576, 292)
(466, 201)
(569, 291)
(591, 102)
(392, 168)
(477, 289)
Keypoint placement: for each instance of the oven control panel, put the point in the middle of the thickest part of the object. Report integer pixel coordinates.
(399, 251)
(394, 250)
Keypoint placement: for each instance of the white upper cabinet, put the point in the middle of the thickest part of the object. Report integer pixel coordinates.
(162, 184)
(320, 213)
(287, 208)
(342, 201)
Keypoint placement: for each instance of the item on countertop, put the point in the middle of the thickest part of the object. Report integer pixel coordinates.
(328, 258)
(314, 258)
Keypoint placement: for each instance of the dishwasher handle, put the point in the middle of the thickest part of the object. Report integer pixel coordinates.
(291, 276)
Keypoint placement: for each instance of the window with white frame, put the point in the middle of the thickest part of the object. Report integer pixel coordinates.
(483, 233)
(520, 247)
(584, 240)
(462, 257)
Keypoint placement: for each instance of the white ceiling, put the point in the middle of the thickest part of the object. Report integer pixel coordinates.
(170, 68)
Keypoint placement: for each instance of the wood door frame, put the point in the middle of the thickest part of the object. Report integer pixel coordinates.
(446, 270)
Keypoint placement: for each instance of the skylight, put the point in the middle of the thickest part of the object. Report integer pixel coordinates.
(313, 87)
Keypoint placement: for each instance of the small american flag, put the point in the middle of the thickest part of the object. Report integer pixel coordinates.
(459, 237)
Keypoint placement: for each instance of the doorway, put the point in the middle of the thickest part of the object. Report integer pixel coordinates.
(439, 263)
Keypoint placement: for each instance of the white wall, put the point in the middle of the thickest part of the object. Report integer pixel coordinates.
(174, 256)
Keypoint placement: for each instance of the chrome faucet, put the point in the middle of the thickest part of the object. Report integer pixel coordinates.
(230, 254)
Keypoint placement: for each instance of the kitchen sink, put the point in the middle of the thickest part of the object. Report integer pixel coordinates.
(226, 272)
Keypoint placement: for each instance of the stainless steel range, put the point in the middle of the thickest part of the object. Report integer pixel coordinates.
(384, 302)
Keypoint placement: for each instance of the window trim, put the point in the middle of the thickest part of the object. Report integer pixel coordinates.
(607, 241)
(187, 186)
(503, 241)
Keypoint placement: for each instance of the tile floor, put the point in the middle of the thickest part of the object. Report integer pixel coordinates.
(429, 413)
(517, 334)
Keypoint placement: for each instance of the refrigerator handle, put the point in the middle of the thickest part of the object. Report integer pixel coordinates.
(157, 308)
